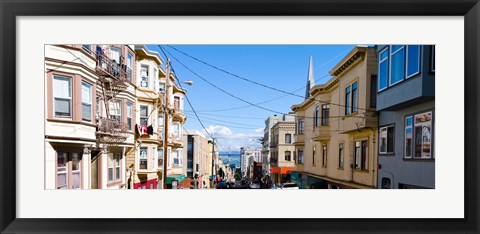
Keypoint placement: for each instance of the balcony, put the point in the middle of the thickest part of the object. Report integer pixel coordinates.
(178, 115)
(299, 139)
(321, 133)
(360, 120)
(112, 74)
(111, 132)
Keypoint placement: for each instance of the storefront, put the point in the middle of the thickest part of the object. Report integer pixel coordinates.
(176, 179)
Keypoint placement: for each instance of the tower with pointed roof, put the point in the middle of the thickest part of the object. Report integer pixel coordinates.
(310, 79)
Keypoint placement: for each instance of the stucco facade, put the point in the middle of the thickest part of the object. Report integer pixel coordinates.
(336, 127)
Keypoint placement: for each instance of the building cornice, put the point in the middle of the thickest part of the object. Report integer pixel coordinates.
(355, 55)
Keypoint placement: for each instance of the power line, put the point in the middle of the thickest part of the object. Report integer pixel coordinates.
(232, 122)
(222, 90)
(248, 80)
(230, 116)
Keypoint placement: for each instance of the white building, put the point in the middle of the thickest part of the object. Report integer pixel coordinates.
(245, 154)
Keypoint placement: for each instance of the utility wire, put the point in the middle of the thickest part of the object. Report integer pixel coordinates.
(248, 80)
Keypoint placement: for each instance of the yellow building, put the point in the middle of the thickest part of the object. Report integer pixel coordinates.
(336, 126)
(282, 149)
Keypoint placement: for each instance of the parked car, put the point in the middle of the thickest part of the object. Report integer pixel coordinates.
(288, 186)
(255, 185)
(224, 185)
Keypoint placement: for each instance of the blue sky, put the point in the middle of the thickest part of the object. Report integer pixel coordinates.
(233, 122)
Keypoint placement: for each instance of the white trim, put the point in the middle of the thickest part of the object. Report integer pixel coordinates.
(71, 96)
(86, 103)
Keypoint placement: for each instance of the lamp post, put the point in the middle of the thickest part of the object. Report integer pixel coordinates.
(166, 116)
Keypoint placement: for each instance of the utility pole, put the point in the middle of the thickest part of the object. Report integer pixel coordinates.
(213, 162)
(165, 126)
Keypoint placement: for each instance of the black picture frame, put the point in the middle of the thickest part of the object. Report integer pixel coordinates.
(11, 9)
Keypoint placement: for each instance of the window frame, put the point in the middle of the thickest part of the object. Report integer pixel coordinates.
(402, 47)
(325, 115)
(147, 77)
(111, 103)
(341, 155)
(140, 159)
(69, 169)
(300, 156)
(129, 115)
(389, 126)
(91, 101)
(289, 138)
(354, 93)
(289, 158)
(363, 165)
(130, 64)
(406, 61)
(313, 155)
(347, 100)
(144, 117)
(431, 125)
(70, 99)
(387, 50)
(300, 126)
(317, 116)
(324, 155)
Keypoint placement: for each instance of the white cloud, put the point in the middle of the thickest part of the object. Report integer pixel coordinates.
(230, 140)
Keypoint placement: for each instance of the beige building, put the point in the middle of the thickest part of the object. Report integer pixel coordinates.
(87, 135)
(336, 127)
(196, 150)
(282, 149)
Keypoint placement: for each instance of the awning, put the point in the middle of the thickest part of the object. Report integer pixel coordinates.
(287, 170)
(179, 178)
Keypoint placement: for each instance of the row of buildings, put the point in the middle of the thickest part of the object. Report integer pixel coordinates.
(370, 126)
(108, 110)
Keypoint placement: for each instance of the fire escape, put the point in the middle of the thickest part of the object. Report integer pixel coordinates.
(112, 79)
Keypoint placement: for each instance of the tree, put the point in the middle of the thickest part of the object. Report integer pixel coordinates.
(237, 176)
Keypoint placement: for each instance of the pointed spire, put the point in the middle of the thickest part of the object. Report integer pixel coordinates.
(310, 79)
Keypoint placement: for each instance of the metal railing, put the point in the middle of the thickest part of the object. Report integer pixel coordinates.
(114, 69)
(112, 127)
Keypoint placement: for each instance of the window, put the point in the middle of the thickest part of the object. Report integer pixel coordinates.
(313, 155)
(295, 156)
(347, 100)
(129, 115)
(408, 136)
(340, 155)
(62, 94)
(129, 67)
(143, 115)
(288, 155)
(397, 65)
(361, 155)
(432, 59)
(86, 101)
(386, 184)
(62, 171)
(115, 110)
(144, 76)
(413, 60)
(113, 165)
(68, 170)
(115, 54)
(161, 122)
(97, 103)
(325, 114)
(300, 126)
(354, 97)
(176, 130)
(422, 136)
(383, 69)
(160, 158)
(317, 116)
(161, 87)
(143, 158)
(386, 140)
(155, 78)
(176, 103)
(288, 138)
(324, 155)
(300, 156)
(373, 93)
(155, 158)
(87, 48)
(177, 158)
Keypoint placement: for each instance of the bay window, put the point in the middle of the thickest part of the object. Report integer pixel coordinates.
(177, 158)
(300, 156)
(317, 116)
(397, 64)
(354, 97)
(300, 126)
(62, 95)
(129, 67)
(413, 60)
(288, 138)
(383, 69)
(347, 100)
